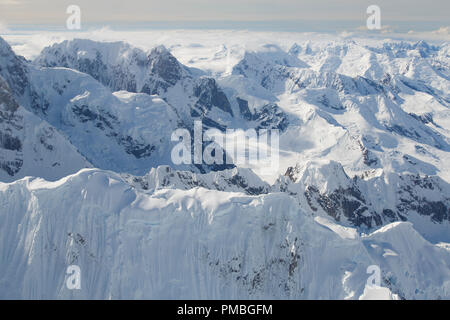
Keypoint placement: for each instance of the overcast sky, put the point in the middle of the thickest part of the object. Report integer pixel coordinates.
(53, 12)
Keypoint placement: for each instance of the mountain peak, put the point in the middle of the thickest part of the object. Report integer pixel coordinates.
(165, 65)
(13, 68)
(329, 175)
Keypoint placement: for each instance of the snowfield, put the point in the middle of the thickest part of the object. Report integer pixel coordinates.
(196, 244)
(363, 181)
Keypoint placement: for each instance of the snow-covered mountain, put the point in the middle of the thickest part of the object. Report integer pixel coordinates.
(367, 202)
(30, 146)
(231, 180)
(119, 66)
(127, 130)
(363, 177)
(197, 243)
(109, 129)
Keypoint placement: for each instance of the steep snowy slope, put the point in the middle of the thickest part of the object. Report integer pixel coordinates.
(13, 69)
(132, 131)
(196, 243)
(30, 146)
(397, 123)
(231, 180)
(122, 67)
(121, 131)
(117, 64)
(323, 188)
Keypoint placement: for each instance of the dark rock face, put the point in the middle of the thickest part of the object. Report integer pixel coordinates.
(243, 108)
(160, 67)
(107, 122)
(11, 167)
(137, 149)
(164, 71)
(210, 95)
(9, 142)
(11, 160)
(349, 203)
(116, 77)
(411, 198)
(241, 182)
(166, 177)
(341, 203)
(102, 120)
(369, 158)
(7, 100)
(38, 102)
(165, 65)
(96, 68)
(13, 69)
(154, 86)
(270, 116)
(45, 138)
